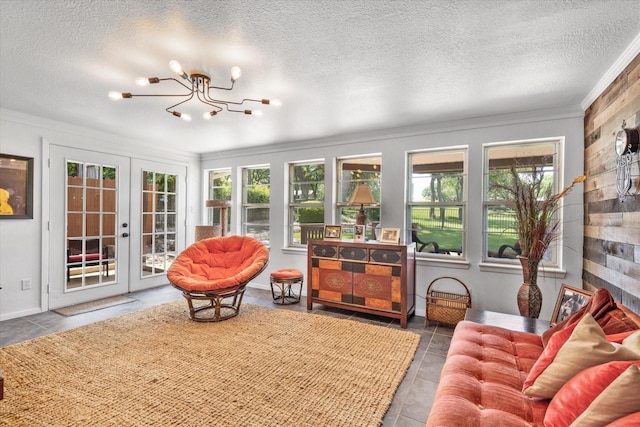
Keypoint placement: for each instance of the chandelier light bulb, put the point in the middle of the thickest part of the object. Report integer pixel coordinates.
(185, 117)
(177, 68)
(256, 113)
(207, 115)
(236, 72)
(115, 95)
(275, 102)
(142, 81)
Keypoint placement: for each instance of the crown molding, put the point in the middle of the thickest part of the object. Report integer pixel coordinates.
(614, 71)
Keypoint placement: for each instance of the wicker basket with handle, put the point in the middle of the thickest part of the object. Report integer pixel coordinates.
(446, 307)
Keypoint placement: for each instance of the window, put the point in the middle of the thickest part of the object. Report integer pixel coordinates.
(158, 222)
(306, 202)
(500, 227)
(436, 206)
(352, 172)
(255, 203)
(219, 189)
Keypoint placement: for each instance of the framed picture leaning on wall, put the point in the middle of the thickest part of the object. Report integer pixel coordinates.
(569, 301)
(16, 187)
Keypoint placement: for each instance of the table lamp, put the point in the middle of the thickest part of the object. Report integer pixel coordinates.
(361, 196)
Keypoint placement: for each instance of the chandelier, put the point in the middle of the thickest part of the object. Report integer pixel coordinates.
(199, 88)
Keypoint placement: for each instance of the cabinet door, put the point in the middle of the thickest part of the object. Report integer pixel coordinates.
(378, 286)
(332, 280)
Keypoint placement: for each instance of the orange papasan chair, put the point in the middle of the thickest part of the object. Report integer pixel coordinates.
(217, 270)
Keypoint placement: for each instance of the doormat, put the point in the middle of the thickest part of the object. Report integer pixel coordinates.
(86, 307)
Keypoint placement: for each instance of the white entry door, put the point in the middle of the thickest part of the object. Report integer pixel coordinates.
(89, 226)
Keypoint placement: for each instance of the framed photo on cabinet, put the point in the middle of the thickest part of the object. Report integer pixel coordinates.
(358, 233)
(389, 235)
(332, 232)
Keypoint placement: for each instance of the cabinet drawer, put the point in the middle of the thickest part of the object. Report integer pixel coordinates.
(386, 256)
(324, 251)
(353, 254)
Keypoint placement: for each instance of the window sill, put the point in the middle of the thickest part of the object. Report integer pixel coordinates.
(295, 250)
(554, 272)
(445, 261)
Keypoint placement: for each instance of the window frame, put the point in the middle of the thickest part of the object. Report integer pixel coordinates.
(553, 256)
(213, 215)
(461, 204)
(246, 206)
(343, 210)
(293, 206)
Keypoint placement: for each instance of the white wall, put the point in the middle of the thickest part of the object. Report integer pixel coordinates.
(22, 240)
(492, 287)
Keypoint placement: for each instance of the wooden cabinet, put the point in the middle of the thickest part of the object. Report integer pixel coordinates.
(374, 278)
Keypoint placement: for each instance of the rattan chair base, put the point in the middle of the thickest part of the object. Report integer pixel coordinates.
(222, 310)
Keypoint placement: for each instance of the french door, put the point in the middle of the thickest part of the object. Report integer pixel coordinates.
(157, 222)
(89, 226)
(116, 224)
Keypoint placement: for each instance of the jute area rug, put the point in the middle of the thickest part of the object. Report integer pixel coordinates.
(155, 367)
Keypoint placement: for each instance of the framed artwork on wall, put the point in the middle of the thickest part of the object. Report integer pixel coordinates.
(16, 187)
(569, 301)
(332, 232)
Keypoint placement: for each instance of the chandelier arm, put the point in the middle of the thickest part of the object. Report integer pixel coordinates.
(223, 88)
(206, 100)
(237, 111)
(168, 109)
(261, 101)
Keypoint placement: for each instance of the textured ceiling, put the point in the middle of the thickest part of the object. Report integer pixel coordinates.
(338, 66)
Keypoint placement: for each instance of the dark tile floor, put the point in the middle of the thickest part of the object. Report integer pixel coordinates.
(412, 401)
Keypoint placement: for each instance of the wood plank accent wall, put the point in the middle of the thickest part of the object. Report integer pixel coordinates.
(612, 228)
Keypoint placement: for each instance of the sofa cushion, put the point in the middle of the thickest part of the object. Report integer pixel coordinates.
(596, 396)
(481, 382)
(579, 346)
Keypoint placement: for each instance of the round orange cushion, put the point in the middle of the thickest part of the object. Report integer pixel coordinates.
(286, 273)
(218, 263)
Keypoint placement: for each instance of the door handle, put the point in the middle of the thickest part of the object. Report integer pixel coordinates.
(125, 234)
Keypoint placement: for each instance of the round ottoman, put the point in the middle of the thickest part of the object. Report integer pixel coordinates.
(282, 282)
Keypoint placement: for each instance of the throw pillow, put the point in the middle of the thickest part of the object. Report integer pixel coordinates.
(596, 396)
(570, 351)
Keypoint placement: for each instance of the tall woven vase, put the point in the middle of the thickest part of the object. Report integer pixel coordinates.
(529, 294)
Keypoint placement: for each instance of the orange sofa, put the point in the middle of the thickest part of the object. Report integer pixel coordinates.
(486, 369)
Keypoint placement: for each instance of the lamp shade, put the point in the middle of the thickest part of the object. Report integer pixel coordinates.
(362, 196)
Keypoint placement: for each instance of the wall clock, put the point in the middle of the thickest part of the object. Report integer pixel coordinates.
(627, 141)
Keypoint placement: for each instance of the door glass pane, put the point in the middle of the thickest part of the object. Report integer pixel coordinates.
(158, 222)
(91, 225)
(108, 224)
(75, 199)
